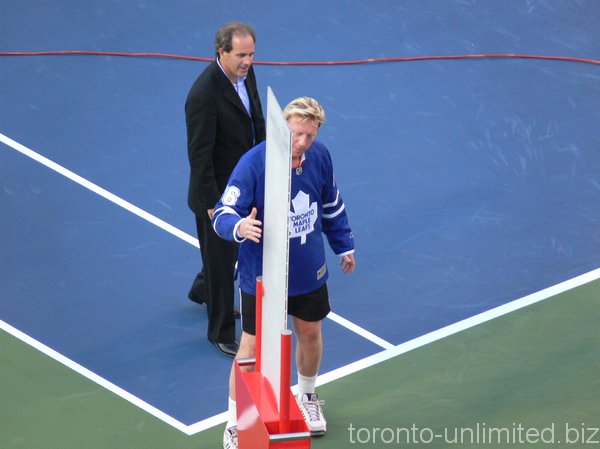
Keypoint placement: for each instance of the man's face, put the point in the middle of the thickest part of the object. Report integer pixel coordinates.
(237, 62)
(304, 133)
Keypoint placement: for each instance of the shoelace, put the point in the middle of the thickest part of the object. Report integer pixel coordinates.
(234, 436)
(313, 409)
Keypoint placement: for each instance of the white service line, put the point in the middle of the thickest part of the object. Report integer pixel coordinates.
(359, 330)
(99, 190)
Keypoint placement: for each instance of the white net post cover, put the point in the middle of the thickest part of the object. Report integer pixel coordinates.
(278, 165)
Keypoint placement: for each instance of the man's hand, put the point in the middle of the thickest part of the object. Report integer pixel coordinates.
(210, 213)
(249, 228)
(347, 263)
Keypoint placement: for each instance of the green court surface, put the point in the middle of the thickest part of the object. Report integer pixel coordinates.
(528, 379)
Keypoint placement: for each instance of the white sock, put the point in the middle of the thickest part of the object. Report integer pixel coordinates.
(231, 414)
(306, 384)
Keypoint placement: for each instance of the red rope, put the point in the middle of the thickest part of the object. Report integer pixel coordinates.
(101, 53)
(306, 63)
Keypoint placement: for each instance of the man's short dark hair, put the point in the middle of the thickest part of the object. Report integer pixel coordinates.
(225, 35)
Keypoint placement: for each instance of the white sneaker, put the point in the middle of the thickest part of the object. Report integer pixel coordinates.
(230, 438)
(310, 406)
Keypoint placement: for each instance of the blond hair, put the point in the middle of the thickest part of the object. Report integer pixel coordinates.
(306, 108)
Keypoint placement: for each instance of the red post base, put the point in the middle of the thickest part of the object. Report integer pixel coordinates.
(258, 418)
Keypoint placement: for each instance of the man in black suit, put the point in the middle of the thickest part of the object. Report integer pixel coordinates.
(224, 119)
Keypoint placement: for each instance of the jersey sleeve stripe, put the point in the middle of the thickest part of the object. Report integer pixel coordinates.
(334, 214)
(334, 203)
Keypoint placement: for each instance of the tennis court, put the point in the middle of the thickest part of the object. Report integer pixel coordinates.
(468, 157)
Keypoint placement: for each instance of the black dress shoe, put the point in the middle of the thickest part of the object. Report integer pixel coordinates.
(193, 297)
(197, 290)
(228, 349)
(236, 313)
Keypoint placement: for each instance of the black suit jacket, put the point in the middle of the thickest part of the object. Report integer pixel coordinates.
(219, 132)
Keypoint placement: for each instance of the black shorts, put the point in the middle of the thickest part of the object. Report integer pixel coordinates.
(313, 306)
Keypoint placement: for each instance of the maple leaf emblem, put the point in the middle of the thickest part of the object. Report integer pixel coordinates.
(302, 217)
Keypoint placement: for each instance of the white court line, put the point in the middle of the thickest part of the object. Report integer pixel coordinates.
(359, 330)
(99, 190)
(107, 384)
(389, 352)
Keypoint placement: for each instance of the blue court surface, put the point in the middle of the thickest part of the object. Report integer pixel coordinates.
(469, 183)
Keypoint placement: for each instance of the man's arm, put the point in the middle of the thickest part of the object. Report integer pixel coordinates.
(201, 123)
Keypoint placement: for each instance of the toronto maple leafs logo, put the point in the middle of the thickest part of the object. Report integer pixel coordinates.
(302, 217)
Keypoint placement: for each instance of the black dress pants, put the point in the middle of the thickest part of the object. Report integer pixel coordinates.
(218, 257)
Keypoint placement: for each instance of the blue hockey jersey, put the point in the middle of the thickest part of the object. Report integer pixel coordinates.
(317, 208)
